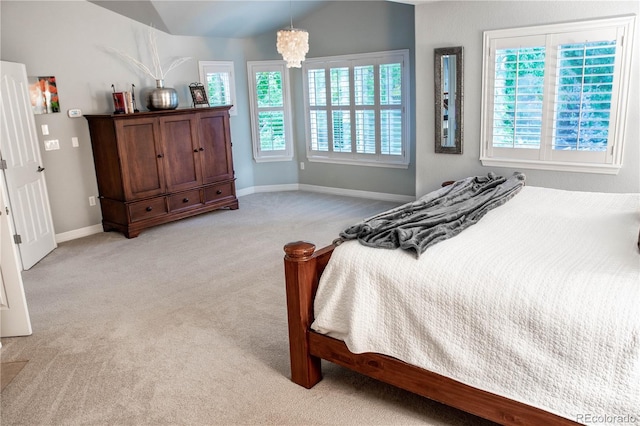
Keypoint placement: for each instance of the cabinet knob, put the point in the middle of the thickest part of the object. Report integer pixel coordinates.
(201, 149)
(195, 150)
(185, 200)
(218, 192)
(160, 155)
(149, 209)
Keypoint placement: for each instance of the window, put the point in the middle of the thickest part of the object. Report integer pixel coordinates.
(357, 107)
(270, 110)
(554, 96)
(218, 78)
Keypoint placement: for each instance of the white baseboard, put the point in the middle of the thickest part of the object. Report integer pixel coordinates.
(78, 233)
(267, 188)
(327, 190)
(95, 229)
(382, 196)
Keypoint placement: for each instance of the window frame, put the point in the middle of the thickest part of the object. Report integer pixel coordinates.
(270, 66)
(545, 157)
(351, 61)
(219, 67)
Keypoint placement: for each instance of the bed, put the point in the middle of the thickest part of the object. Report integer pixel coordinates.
(528, 317)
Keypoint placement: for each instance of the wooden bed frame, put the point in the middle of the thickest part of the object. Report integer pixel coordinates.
(303, 268)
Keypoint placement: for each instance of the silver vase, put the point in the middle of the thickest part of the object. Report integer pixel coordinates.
(162, 97)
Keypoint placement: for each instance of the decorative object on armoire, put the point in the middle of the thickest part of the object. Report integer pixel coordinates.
(293, 44)
(161, 166)
(133, 98)
(161, 97)
(198, 94)
(123, 102)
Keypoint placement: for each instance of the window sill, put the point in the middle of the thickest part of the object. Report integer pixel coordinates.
(273, 159)
(608, 169)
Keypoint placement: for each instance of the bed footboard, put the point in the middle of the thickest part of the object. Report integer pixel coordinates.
(303, 267)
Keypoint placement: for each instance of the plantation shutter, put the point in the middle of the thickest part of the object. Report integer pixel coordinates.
(554, 96)
(270, 111)
(356, 108)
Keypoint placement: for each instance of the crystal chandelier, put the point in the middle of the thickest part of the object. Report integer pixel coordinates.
(293, 44)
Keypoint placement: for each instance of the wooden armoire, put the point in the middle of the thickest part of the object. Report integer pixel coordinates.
(160, 166)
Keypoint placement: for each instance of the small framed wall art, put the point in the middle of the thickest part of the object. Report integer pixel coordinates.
(43, 92)
(198, 94)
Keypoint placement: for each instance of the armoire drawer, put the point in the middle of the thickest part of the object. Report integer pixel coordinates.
(147, 209)
(185, 200)
(218, 192)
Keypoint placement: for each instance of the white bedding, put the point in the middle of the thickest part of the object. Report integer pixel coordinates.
(538, 302)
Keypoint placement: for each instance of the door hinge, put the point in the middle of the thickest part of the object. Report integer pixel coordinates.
(17, 239)
(3, 164)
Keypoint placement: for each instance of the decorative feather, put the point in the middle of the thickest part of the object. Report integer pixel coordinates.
(157, 73)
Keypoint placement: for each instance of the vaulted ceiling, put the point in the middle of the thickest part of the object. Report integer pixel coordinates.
(217, 18)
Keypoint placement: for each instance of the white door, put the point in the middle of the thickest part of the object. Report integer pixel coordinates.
(14, 315)
(22, 163)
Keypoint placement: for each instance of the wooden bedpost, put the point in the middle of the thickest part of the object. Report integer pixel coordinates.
(302, 281)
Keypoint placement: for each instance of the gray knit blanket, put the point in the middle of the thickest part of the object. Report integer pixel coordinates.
(436, 216)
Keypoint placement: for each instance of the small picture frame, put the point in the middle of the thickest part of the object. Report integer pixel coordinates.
(198, 94)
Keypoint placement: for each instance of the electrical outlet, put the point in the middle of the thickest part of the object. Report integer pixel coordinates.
(92, 201)
(74, 142)
(302, 165)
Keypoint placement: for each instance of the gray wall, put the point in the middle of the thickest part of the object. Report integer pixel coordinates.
(333, 30)
(342, 27)
(434, 24)
(71, 39)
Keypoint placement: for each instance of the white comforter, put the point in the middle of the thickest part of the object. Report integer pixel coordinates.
(538, 302)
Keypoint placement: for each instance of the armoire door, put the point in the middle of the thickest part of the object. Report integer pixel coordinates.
(181, 152)
(142, 157)
(216, 158)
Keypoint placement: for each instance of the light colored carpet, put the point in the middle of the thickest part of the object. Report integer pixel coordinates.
(186, 325)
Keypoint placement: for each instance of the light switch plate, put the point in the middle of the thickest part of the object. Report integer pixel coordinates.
(51, 145)
(45, 129)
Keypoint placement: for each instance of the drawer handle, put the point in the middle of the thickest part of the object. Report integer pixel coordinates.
(160, 155)
(201, 149)
(195, 150)
(185, 200)
(218, 192)
(149, 209)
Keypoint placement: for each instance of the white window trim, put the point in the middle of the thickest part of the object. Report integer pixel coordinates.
(221, 67)
(269, 156)
(490, 156)
(374, 160)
